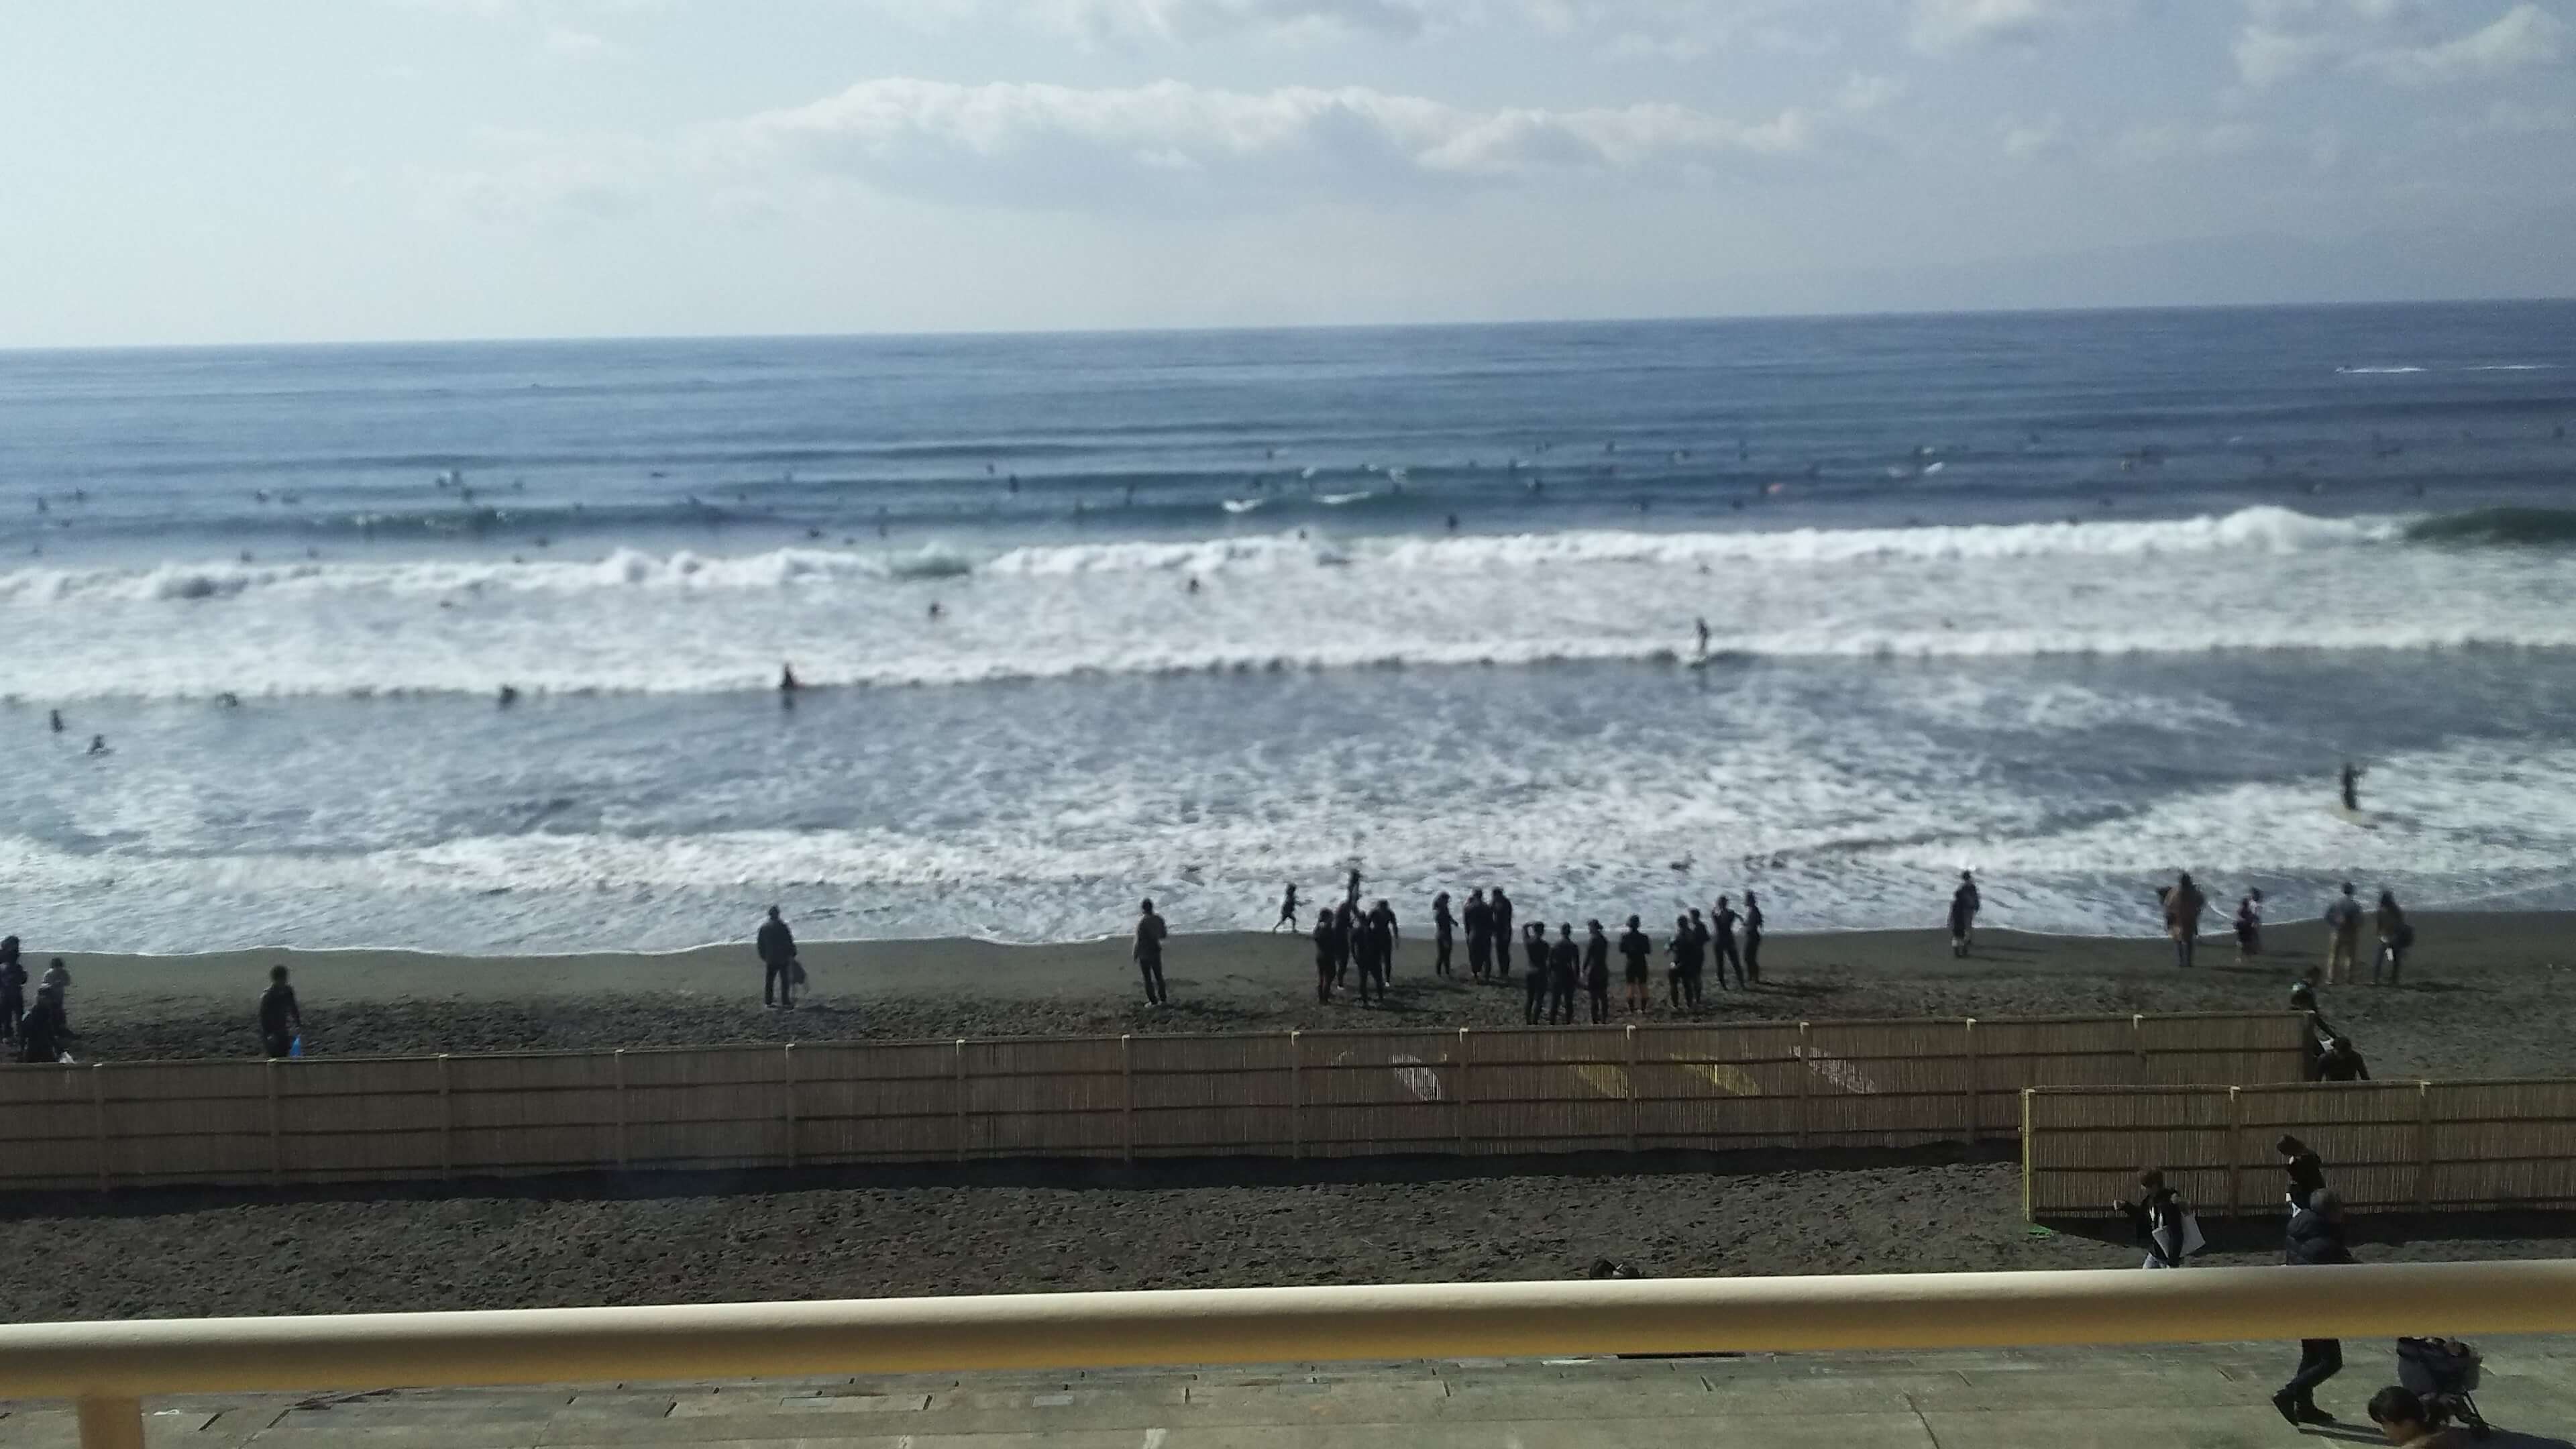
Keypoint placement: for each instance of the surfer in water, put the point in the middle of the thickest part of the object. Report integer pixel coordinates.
(2351, 787)
(787, 679)
(57, 719)
(98, 745)
(1703, 638)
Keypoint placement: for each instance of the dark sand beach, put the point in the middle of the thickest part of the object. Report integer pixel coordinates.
(2488, 995)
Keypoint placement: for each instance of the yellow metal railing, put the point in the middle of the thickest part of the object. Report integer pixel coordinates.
(110, 1367)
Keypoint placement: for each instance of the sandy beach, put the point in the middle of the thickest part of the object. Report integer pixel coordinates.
(2489, 995)
(2485, 995)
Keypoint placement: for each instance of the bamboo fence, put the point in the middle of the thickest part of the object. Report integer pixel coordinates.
(2387, 1146)
(1294, 1095)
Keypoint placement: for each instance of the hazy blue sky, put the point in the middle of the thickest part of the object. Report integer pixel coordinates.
(308, 169)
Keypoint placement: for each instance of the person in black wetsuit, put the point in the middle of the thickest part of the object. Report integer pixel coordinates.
(1564, 971)
(1752, 936)
(777, 947)
(1381, 924)
(1364, 949)
(2307, 1172)
(1326, 966)
(1345, 927)
(1501, 907)
(2351, 780)
(280, 1019)
(1636, 948)
(1699, 928)
(1722, 950)
(1681, 979)
(1533, 973)
(1596, 971)
(1149, 955)
(1353, 894)
(13, 988)
(1444, 928)
(1479, 921)
(1287, 909)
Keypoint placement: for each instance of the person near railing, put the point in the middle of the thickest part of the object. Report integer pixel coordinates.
(2163, 1225)
(2307, 1171)
(2316, 1239)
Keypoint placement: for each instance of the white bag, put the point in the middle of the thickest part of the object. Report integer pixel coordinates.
(2191, 1240)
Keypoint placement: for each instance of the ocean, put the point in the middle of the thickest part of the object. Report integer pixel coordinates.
(2074, 600)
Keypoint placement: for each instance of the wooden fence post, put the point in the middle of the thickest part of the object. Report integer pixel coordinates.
(1296, 1096)
(1466, 1068)
(2138, 1044)
(1976, 1080)
(2423, 1145)
(1633, 1108)
(2235, 1150)
(787, 1089)
(1127, 1089)
(276, 1130)
(617, 1063)
(1806, 1069)
(959, 1083)
(98, 1120)
(2027, 1215)
(446, 1124)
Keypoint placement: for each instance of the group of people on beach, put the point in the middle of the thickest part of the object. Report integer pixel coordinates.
(1553, 971)
(2183, 906)
(38, 1033)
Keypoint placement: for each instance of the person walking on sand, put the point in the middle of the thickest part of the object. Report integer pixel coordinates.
(1287, 909)
(1479, 921)
(2316, 1240)
(1722, 950)
(2343, 936)
(1635, 949)
(13, 989)
(1533, 973)
(1149, 954)
(1596, 971)
(2162, 1223)
(1964, 903)
(2395, 936)
(777, 947)
(1326, 967)
(1564, 974)
(1753, 936)
(2183, 907)
(281, 1021)
(2249, 925)
(1444, 929)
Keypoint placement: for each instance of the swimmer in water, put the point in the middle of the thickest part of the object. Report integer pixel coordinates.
(98, 745)
(57, 717)
(787, 679)
(509, 696)
(1194, 583)
(935, 611)
(1703, 638)
(1453, 523)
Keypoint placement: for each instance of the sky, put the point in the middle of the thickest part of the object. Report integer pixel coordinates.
(323, 170)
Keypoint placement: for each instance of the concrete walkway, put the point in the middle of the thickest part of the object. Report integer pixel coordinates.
(2203, 1397)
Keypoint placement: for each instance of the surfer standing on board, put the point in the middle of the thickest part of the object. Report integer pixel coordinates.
(2351, 787)
(1703, 638)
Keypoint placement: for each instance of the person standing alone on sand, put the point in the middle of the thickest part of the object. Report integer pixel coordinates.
(1480, 935)
(1752, 936)
(1287, 909)
(1444, 928)
(2343, 936)
(1149, 955)
(1964, 904)
(280, 1019)
(777, 947)
(2183, 907)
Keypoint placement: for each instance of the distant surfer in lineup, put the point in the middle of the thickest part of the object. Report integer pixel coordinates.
(2352, 787)
(98, 745)
(1703, 638)
(787, 679)
(57, 717)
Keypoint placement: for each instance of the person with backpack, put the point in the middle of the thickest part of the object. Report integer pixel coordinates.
(2316, 1239)
(2165, 1228)
(776, 946)
(281, 1021)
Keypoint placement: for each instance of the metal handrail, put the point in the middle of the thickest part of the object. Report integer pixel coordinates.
(110, 1367)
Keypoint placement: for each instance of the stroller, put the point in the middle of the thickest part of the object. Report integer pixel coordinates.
(2442, 1372)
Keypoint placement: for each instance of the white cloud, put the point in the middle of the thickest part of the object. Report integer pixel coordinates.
(1189, 20)
(1171, 145)
(2403, 42)
(2023, 140)
(1946, 25)
(567, 42)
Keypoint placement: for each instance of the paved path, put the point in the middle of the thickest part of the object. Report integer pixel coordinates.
(2203, 1397)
